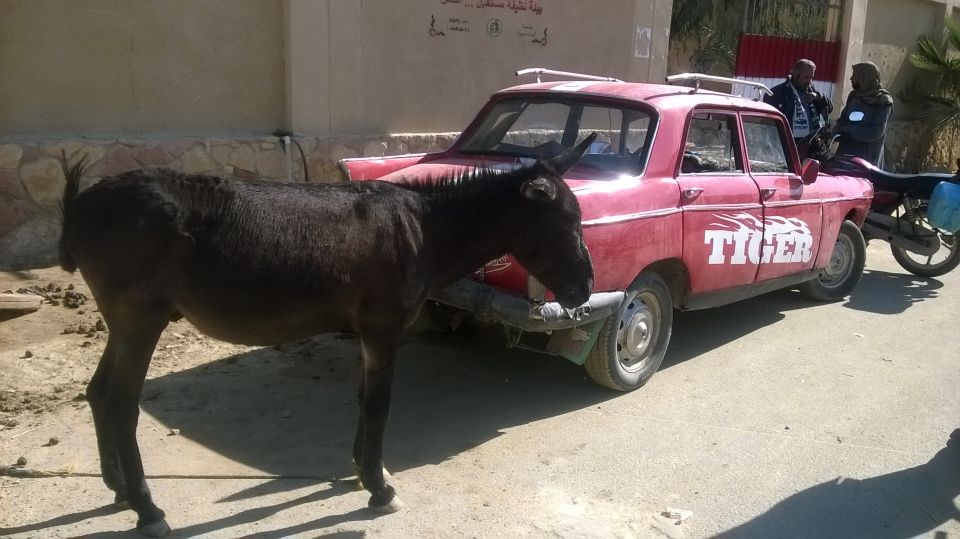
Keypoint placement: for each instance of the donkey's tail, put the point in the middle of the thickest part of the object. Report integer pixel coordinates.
(71, 189)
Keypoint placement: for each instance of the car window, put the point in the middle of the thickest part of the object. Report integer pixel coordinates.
(711, 144)
(527, 127)
(536, 125)
(766, 145)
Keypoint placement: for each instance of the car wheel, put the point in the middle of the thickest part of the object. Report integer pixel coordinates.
(844, 270)
(633, 340)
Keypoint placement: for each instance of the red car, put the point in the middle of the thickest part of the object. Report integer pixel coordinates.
(690, 199)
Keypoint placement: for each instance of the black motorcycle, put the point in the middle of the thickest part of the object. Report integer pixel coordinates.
(899, 213)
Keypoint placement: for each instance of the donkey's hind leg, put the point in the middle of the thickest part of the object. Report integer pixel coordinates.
(106, 441)
(134, 336)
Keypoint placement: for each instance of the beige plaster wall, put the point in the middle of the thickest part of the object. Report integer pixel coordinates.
(428, 65)
(890, 36)
(128, 66)
(317, 66)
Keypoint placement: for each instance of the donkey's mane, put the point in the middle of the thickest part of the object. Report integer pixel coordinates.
(465, 185)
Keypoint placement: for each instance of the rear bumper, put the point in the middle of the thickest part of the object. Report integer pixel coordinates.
(491, 304)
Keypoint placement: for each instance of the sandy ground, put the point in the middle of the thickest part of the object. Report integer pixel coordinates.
(774, 417)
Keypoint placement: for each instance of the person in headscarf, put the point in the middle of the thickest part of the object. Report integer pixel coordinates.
(806, 109)
(863, 122)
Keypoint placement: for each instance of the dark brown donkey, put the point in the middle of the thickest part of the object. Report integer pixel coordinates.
(261, 263)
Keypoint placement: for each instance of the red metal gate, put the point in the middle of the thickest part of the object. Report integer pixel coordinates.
(768, 59)
(777, 33)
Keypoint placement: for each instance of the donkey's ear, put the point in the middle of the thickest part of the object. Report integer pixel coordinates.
(565, 161)
(540, 189)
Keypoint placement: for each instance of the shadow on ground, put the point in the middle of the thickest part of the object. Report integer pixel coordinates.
(906, 503)
(64, 520)
(882, 292)
(698, 332)
(293, 411)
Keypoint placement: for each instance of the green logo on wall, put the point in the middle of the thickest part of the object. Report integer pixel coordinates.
(494, 27)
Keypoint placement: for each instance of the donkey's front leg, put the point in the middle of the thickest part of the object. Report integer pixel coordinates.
(360, 436)
(379, 355)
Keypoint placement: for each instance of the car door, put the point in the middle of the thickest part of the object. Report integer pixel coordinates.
(722, 213)
(791, 209)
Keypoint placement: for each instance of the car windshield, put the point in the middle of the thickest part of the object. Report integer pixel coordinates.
(542, 127)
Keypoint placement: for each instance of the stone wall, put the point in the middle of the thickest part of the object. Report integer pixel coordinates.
(31, 179)
(911, 147)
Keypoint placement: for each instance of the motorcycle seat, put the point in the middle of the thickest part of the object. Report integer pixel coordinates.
(926, 176)
(920, 184)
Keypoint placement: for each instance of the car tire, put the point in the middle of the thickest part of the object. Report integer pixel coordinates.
(843, 272)
(633, 340)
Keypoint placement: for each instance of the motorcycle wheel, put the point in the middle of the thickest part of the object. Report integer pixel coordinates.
(940, 263)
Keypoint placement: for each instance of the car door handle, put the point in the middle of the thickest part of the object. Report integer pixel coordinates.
(767, 192)
(691, 193)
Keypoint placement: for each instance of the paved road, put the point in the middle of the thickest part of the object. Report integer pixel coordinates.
(774, 417)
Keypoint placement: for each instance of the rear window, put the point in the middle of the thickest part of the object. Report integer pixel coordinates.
(542, 128)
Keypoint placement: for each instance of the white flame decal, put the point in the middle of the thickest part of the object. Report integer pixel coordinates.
(741, 237)
(497, 264)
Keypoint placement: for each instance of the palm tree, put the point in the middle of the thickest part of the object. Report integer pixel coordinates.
(703, 21)
(935, 98)
(938, 103)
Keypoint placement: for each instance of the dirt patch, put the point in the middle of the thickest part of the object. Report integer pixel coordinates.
(55, 294)
(43, 368)
(48, 356)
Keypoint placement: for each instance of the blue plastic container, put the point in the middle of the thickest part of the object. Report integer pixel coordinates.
(944, 209)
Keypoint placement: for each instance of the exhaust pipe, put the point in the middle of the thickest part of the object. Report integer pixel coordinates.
(488, 303)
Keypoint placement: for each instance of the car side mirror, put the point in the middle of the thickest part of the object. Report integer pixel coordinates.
(809, 171)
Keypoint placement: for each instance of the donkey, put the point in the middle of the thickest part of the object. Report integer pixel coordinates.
(260, 263)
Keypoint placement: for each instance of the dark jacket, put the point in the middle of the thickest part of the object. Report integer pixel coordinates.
(863, 121)
(783, 99)
(863, 138)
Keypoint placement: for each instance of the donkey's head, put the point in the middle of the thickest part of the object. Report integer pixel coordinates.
(549, 243)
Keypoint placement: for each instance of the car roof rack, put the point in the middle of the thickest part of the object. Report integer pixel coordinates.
(697, 78)
(543, 71)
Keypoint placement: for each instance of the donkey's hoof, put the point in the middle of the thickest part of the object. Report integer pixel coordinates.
(159, 528)
(392, 506)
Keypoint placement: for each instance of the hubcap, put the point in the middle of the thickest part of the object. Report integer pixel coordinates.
(841, 263)
(636, 333)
